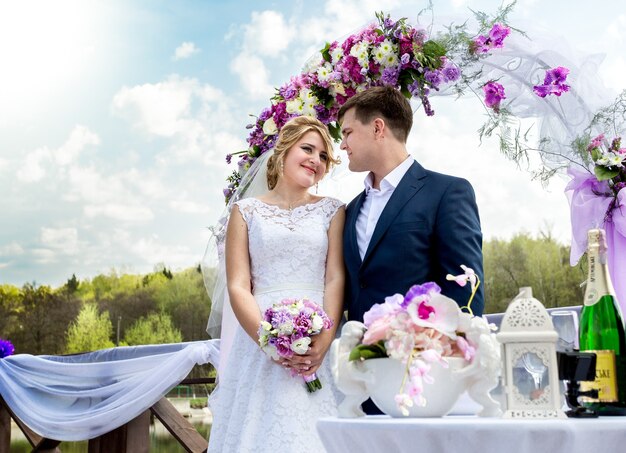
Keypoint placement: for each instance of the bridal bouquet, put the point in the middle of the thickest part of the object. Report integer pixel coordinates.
(425, 327)
(287, 329)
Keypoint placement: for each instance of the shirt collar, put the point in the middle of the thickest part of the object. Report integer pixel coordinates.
(391, 181)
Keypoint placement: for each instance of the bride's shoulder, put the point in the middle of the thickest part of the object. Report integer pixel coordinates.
(332, 201)
(330, 205)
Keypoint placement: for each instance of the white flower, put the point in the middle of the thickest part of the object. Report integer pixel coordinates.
(285, 328)
(337, 88)
(317, 322)
(269, 127)
(361, 52)
(336, 54)
(386, 54)
(610, 159)
(271, 351)
(301, 346)
(324, 72)
(294, 106)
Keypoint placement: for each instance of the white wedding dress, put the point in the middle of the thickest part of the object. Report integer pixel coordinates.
(258, 406)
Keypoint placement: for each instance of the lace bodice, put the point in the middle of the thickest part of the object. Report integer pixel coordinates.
(295, 242)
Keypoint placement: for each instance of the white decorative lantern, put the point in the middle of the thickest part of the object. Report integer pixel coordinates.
(530, 366)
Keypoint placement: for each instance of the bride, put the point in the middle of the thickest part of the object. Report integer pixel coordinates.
(285, 243)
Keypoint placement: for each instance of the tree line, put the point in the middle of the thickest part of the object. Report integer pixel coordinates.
(164, 306)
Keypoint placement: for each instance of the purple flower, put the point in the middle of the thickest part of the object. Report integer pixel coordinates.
(228, 158)
(497, 34)
(302, 323)
(390, 76)
(494, 93)
(420, 290)
(494, 40)
(6, 348)
(283, 346)
(451, 73)
(265, 114)
(405, 58)
(553, 83)
(434, 78)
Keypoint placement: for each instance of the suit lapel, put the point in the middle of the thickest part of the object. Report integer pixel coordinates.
(352, 244)
(409, 185)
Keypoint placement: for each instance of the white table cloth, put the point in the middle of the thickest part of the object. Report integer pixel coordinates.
(471, 434)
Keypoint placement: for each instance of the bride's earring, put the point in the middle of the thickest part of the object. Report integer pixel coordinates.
(281, 167)
(316, 187)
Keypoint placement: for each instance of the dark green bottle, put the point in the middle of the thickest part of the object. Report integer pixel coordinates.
(602, 331)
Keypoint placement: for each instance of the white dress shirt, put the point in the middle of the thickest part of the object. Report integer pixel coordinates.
(375, 202)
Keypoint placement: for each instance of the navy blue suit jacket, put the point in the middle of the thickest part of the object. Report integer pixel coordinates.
(429, 227)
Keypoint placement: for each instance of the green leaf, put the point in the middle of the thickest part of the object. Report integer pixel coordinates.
(604, 173)
(368, 351)
(434, 51)
(335, 131)
(326, 52)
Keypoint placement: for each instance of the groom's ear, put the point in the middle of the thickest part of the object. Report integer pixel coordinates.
(380, 128)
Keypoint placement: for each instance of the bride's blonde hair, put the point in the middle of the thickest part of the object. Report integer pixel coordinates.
(289, 135)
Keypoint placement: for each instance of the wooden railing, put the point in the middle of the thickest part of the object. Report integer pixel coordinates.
(133, 437)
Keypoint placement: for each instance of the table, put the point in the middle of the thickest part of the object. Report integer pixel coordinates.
(472, 434)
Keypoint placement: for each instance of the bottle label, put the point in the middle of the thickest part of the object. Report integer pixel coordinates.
(606, 378)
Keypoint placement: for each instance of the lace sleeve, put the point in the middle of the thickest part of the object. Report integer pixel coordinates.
(245, 208)
(330, 208)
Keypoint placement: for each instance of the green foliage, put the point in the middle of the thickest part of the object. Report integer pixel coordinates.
(368, 351)
(91, 331)
(541, 263)
(156, 328)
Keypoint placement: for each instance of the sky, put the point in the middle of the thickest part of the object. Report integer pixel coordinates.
(115, 117)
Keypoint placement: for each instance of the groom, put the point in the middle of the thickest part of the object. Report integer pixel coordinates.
(410, 225)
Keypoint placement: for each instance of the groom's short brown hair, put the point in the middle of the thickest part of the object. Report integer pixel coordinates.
(385, 102)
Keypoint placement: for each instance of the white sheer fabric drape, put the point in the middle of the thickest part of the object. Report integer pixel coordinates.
(83, 396)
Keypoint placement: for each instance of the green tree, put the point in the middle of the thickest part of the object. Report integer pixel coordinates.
(42, 319)
(156, 328)
(541, 263)
(90, 331)
(185, 299)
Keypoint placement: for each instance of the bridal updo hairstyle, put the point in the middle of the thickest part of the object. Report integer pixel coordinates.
(289, 135)
(382, 102)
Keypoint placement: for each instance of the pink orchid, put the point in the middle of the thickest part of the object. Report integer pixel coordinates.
(468, 275)
(444, 318)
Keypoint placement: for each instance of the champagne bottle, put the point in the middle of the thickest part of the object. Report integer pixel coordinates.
(602, 331)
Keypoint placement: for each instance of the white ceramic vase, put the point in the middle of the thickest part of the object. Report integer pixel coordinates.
(386, 379)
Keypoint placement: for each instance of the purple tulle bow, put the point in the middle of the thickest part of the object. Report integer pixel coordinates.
(592, 205)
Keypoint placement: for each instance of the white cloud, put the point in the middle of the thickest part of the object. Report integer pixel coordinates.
(195, 116)
(119, 211)
(267, 34)
(39, 163)
(11, 249)
(33, 168)
(185, 50)
(253, 75)
(61, 240)
(108, 196)
(79, 138)
(189, 207)
(156, 108)
(45, 256)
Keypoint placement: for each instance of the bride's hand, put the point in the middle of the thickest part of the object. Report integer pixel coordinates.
(309, 362)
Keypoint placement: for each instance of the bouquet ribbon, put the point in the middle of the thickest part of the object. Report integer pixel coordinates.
(592, 205)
